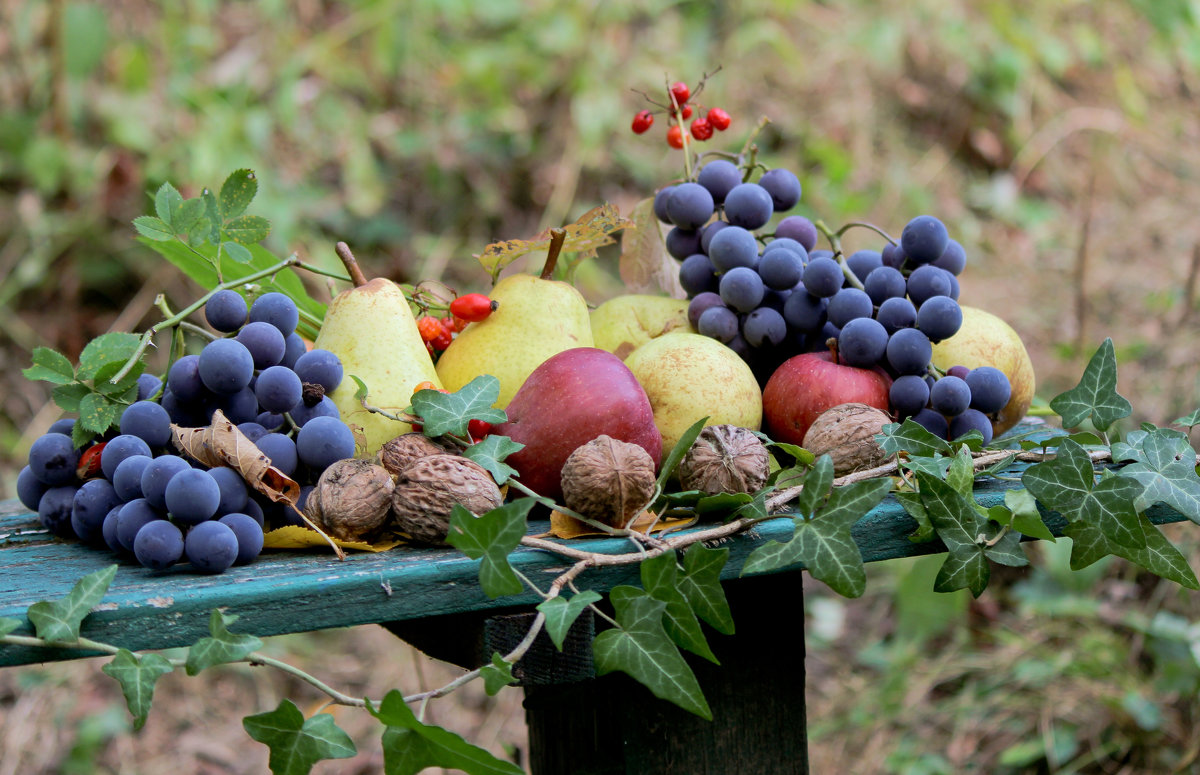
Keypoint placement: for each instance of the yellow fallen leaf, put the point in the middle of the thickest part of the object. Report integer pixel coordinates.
(297, 537)
(566, 526)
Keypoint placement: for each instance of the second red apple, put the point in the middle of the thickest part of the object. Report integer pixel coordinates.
(806, 385)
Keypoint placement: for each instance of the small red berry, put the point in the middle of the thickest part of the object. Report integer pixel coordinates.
(442, 340)
(719, 119)
(473, 307)
(429, 327)
(681, 92)
(478, 429)
(89, 461)
(702, 129)
(460, 324)
(642, 121)
(675, 137)
(686, 112)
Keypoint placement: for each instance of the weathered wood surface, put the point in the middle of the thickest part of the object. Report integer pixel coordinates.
(288, 591)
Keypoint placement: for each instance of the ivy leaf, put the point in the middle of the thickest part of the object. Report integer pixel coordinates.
(1026, 519)
(963, 571)
(443, 413)
(671, 461)
(410, 746)
(722, 503)
(97, 413)
(641, 648)
(1006, 548)
(236, 252)
(113, 347)
(701, 585)
(491, 538)
(1159, 556)
(561, 613)
(1190, 420)
(137, 676)
(497, 675)
(659, 577)
(959, 526)
(50, 366)
(755, 508)
(68, 397)
(961, 474)
(7, 625)
(490, 452)
(298, 743)
(911, 438)
(1168, 473)
(247, 229)
(222, 648)
(1096, 394)
(972, 440)
(59, 620)
(816, 486)
(1063, 482)
(237, 192)
(911, 501)
(166, 202)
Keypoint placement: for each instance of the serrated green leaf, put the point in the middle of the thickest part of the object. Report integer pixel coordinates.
(81, 435)
(222, 648)
(1167, 472)
(7, 625)
(410, 746)
(187, 215)
(1096, 394)
(911, 501)
(297, 743)
(68, 396)
(450, 413)
(137, 676)
(247, 229)
(671, 461)
(1064, 481)
(50, 366)
(817, 483)
(660, 578)
(700, 583)
(641, 648)
(212, 213)
(59, 620)
(98, 413)
(497, 675)
(237, 192)
(911, 438)
(113, 347)
(490, 452)
(561, 613)
(153, 228)
(202, 230)
(490, 538)
(1026, 519)
(166, 201)
(236, 252)
(104, 375)
(1189, 420)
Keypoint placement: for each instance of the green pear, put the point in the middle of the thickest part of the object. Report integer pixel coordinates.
(371, 329)
(624, 323)
(534, 319)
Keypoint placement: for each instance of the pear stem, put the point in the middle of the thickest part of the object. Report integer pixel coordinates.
(557, 238)
(351, 263)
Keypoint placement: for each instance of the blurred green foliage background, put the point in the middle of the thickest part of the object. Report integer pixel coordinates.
(1060, 141)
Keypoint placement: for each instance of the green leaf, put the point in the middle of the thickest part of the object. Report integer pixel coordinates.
(973, 440)
(212, 213)
(491, 537)
(671, 461)
(490, 452)
(297, 743)
(660, 578)
(1190, 420)
(1167, 473)
(1005, 549)
(104, 375)
(1110, 506)
(237, 192)
(911, 438)
(361, 394)
(59, 620)
(187, 215)
(166, 202)
(701, 585)
(497, 675)
(959, 526)
(68, 397)
(1026, 519)
(236, 252)
(222, 648)
(81, 435)
(450, 413)
(202, 230)
(113, 347)
(50, 366)
(1063, 482)
(961, 474)
(247, 229)
(7, 625)
(137, 675)
(817, 483)
(1159, 556)
(561, 613)
(153, 228)
(1096, 394)
(722, 503)
(410, 746)
(911, 501)
(97, 413)
(801, 455)
(641, 648)
(937, 465)
(963, 571)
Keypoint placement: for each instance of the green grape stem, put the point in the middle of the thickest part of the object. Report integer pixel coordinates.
(835, 241)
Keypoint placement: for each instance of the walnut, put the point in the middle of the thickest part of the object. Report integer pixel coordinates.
(847, 433)
(351, 499)
(427, 490)
(608, 480)
(725, 458)
(404, 450)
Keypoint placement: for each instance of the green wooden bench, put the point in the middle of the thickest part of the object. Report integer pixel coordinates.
(431, 598)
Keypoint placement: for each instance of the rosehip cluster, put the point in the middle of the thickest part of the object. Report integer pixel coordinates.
(438, 333)
(680, 109)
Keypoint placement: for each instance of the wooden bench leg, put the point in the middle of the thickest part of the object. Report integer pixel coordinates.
(613, 725)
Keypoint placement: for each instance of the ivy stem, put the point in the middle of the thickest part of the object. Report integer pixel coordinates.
(258, 658)
(835, 241)
(998, 537)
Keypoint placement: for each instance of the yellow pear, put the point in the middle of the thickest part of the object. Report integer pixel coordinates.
(371, 329)
(624, 323)
(986, 340)
(689, 376)
(534, 319)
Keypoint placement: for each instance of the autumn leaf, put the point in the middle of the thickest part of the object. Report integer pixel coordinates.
(593, 230)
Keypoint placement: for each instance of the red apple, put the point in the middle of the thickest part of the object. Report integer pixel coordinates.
(808, 384)
(567, 401)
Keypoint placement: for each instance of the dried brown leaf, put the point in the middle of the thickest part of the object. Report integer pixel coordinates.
(645, 265)
(593, 230)
(222, 444)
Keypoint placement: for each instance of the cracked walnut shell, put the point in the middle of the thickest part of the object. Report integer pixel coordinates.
(427, 490)
(725, 458)
(608, 480)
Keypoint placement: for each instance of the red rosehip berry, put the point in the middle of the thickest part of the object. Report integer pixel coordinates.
(719, 119)
(642, 121)
(473, 307)
(685, 111)
(702, 129)
(478, 429)
(675, 136)
(681, 92)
